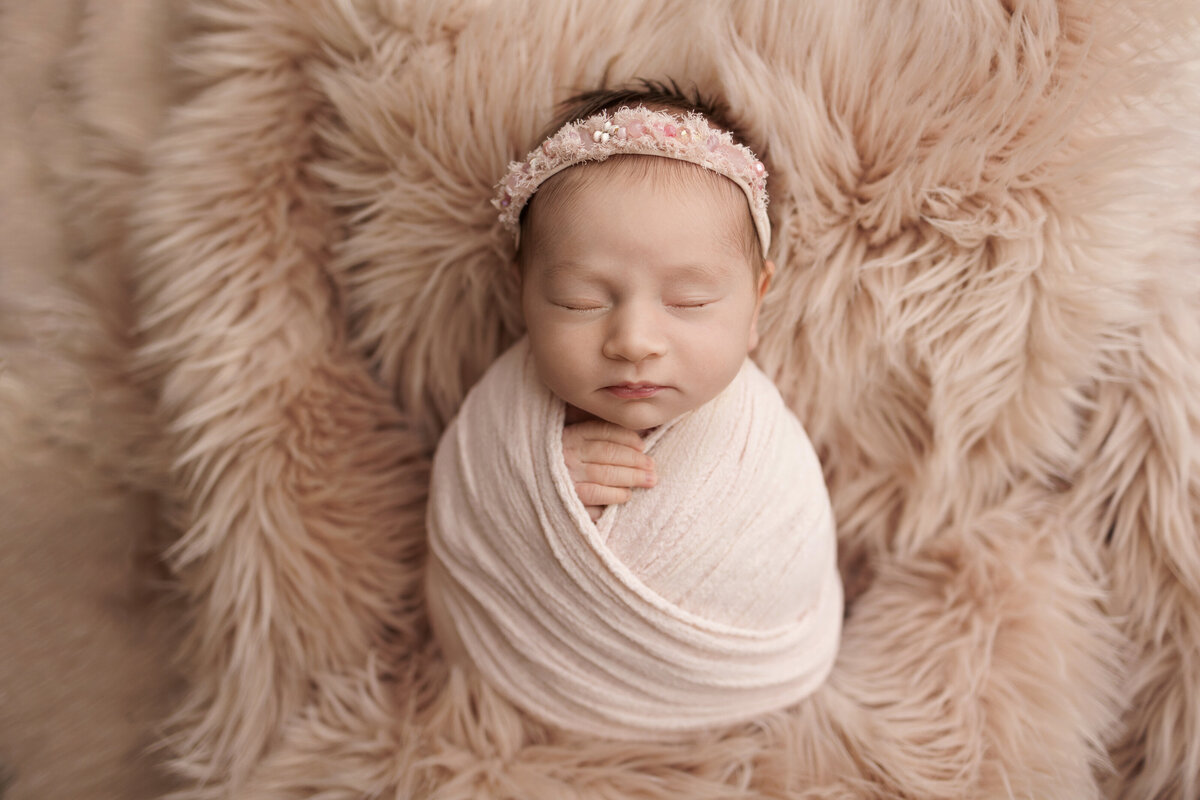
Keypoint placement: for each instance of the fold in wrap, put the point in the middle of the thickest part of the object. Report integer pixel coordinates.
(707, 600)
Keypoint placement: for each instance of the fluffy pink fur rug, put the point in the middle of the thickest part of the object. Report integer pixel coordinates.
(986, 314)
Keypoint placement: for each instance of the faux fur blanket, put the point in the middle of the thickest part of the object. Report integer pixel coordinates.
(706, 601)
(985, 315)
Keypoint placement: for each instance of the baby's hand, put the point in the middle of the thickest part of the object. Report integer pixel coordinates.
(605, 461)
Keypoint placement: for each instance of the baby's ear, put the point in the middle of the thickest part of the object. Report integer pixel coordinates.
(764, 280)
(764, 283)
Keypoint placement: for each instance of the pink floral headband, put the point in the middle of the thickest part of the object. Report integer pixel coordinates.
(636, 131)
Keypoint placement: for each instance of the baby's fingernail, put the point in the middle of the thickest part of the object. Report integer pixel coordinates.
(650, 480)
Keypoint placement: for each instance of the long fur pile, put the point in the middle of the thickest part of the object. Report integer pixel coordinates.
(986, 314)
(84, 662)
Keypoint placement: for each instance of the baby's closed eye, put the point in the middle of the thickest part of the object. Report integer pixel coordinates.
(579, 302)
(689, 302)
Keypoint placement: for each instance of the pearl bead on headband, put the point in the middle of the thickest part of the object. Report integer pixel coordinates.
(636, 131)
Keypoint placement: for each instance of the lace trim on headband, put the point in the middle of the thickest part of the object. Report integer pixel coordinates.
(636, 131)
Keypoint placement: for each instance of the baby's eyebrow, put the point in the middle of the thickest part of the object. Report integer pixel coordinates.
(694, 272)
(706, 272)
(561, 268)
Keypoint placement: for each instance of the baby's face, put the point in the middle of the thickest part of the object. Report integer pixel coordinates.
(640, 301)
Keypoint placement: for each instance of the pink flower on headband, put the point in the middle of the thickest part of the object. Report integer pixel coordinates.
(636, 131)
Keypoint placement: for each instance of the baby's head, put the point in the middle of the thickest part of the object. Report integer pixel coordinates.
(641, 274)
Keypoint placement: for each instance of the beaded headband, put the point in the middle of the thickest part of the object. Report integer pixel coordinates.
(636, 131)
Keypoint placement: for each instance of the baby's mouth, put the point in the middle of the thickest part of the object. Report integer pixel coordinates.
(633, 391)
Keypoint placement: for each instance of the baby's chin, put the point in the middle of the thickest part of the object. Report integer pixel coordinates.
(639, 416)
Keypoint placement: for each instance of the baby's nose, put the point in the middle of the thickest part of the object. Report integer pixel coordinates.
(634, 336)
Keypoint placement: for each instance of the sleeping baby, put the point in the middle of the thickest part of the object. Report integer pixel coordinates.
(630, 535)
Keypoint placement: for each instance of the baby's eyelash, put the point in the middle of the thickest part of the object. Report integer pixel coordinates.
(601, 307)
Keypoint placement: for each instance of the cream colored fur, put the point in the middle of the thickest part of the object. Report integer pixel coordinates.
(85, 656)
(986, 314)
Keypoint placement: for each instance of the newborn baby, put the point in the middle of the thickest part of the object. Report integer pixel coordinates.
(629, 531)
(641, 284)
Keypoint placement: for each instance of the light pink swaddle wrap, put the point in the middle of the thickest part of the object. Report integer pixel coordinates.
(704, 601)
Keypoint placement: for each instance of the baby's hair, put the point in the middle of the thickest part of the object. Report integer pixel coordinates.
(656, 96)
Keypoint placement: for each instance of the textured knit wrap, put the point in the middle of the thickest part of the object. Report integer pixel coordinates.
(706, 600)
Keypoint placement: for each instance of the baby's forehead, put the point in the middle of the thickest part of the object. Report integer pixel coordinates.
(560, 197)
(631, 172)
(663, 271)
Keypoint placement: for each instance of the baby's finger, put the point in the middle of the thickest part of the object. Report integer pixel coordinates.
(593, 494)
(615, 454)
(608, 432)
(610, 475)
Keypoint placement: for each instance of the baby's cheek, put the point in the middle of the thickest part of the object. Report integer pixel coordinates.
(716, 361)
(557, 364)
